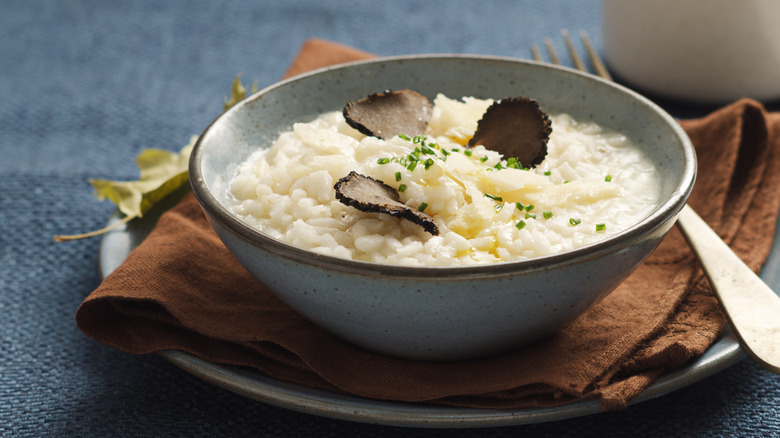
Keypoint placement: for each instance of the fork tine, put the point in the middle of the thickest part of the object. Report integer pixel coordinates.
(598, 65)
(535, 52)
(575, 57)
(601, 70)
(551, 50)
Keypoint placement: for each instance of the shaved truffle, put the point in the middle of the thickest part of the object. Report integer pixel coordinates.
(390, 113)
(371, 195)
(515, 127)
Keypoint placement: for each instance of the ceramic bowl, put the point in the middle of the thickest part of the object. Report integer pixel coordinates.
(441, 313)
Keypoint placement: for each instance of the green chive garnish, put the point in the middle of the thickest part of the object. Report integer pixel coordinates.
(402, 188)
(483, 159)
(574, 221)
(608, 178)
(468, 152)
(404, 136)
(530, 215)
(494, 197)
(383, 161)
(520, 225)
(423, 206)
(547, 214)
(398, 176)
(601, 227)
(548, 173)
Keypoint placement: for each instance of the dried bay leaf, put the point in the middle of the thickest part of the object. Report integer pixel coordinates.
(161, 173)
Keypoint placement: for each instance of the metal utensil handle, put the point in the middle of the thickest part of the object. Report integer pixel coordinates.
(750, 305)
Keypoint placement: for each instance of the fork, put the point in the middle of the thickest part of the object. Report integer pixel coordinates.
(752, 308)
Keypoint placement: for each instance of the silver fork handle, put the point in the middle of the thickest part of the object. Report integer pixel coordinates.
(750, 305)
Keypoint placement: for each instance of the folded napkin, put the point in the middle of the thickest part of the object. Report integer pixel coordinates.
(181, 289)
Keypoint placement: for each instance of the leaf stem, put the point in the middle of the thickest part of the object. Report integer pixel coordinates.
(66, 237)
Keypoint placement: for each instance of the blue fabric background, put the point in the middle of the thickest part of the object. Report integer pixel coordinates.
(86, 85)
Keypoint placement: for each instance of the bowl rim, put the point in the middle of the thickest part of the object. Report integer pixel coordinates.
(666, 211)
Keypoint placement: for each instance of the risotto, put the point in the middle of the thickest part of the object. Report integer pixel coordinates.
(593, 183)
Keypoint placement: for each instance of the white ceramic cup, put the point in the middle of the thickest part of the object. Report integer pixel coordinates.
(709, 51)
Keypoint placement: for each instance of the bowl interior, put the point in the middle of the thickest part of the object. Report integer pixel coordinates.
(256, 122)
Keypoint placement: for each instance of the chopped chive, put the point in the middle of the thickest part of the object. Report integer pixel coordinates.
(402, 188)
(398, 176)
(608, 178)
(455, 149)
(411, 166)
(468, 152)
(418, 139)
(498, 166)
(530, 215)
(566, 182)
(423, 206)
(383, 161)
(498, 207)
(520, 225)
(484, 158)
(529, 207)
(404, 136)
(494, 197)
(547, 173)
(519, 205)
(428, 163)
(574, 221)
(547, 214)
(513, 163)
(601, 227)
(445, 152)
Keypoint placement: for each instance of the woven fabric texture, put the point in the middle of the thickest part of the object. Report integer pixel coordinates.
(87, 85)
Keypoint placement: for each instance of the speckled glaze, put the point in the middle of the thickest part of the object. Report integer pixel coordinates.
(442, 313)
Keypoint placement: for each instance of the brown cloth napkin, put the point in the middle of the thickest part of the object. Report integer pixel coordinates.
(181, 289)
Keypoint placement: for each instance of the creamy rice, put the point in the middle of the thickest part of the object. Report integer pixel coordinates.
(592, 184)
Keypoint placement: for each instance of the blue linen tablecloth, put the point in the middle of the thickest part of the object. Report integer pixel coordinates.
(86, 85)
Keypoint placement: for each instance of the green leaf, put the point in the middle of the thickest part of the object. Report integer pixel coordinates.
(237, 93)
(161, 173)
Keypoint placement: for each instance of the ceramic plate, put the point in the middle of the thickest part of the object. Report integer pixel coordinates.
(117, 244)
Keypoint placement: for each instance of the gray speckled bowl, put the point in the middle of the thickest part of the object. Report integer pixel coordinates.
(444, 313)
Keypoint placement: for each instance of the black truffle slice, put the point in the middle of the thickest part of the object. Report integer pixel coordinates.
(371, 195)
(515, 127)
(390, 113)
